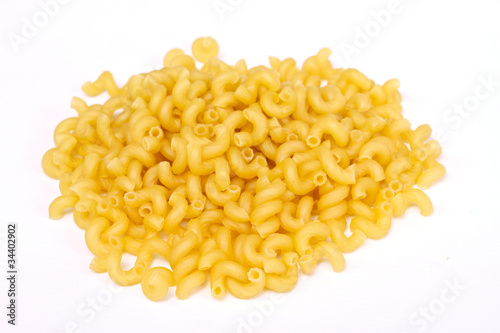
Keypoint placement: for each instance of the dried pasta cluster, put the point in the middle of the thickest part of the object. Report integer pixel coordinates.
(223, 170)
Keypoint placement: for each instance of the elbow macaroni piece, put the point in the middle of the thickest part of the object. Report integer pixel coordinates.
(243, 175)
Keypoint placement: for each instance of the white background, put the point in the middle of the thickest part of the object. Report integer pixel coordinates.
(442, 51)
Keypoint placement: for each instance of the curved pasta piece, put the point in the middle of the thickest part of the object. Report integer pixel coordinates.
(59, 204)
(279, 105)
(333, 170)
(287, 219)
(332, 252)
(325, 100)
(327, 125)
(113, 265)
(186, 286)
(220, 272)
(93, 237)
(344, 243)
(412, 196)
(105, 81)
(156, 282)
(311, 231)
(220, 197)
(374, 229)
(244, 290)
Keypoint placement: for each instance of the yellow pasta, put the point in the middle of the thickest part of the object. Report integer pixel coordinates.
(156, 282)
(242, 289)
(205, 48)
(247, 176)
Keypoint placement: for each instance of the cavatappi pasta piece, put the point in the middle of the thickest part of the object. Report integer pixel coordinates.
(377, 228)
(156, 282)
(93, 237)
(205, 48)
(411, 196)
(186, 286)
(241, 289)
(332, 202)
(344, 243)
(245, 175)
(219, 274)
(113, 265)
(332, 252)
(433, 171)
(312, 231)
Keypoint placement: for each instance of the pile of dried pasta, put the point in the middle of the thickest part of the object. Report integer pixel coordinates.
(243, 175)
